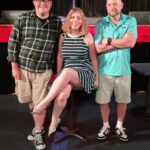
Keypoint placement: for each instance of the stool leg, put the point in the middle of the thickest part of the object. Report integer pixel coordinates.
(70, 120)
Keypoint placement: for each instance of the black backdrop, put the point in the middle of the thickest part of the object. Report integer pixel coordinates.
(91, 8)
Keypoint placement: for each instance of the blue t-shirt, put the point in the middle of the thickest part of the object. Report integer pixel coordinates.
(116, 62)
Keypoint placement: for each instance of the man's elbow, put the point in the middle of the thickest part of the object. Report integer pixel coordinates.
(132, 43)
(98, 48)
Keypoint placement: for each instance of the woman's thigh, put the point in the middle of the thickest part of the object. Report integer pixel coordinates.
(71, 75)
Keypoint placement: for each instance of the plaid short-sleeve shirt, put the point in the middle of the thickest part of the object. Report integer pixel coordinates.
(31, 43)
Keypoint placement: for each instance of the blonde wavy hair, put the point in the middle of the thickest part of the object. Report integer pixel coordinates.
(66, 25)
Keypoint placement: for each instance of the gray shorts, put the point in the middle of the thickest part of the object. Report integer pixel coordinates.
(120, 85)
(32, 87)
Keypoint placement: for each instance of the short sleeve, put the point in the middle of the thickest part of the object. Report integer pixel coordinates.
(133, 26)
(98, 36)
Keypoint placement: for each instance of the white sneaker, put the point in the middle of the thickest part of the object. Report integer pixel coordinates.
(103, 133)
(121, 134)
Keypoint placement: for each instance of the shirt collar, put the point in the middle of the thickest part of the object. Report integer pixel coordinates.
(123, 19)
(49, 19)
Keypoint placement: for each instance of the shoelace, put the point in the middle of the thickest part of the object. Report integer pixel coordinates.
(34, 131)
(38, 138)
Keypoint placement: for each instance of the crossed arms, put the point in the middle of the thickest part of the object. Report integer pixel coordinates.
(127, 41)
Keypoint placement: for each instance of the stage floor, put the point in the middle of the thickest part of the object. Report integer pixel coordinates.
(16, 123)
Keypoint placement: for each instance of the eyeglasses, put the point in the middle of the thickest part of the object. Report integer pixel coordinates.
(40, 1)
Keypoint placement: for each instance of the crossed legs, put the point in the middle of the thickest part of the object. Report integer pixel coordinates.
(60, 91)
(67, 77)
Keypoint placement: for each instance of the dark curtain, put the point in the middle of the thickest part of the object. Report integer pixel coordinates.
(16, 5)
(92, 8)
(127, 6)
(61, 7)
(140, 5)
(95, 8)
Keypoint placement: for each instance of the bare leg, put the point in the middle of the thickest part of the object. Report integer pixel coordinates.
(38, 118)
(68, 76)
(105, 110)
(59, 105)
(121, 111)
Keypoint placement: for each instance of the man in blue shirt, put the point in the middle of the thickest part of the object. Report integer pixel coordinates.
(115, 34)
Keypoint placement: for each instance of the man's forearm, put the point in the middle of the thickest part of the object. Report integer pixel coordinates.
(124, 42)
(100, 48)
(14, 65)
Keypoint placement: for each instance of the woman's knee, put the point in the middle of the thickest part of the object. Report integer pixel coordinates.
(69, 72)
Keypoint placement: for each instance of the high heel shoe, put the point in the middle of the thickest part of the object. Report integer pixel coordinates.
(52, 131)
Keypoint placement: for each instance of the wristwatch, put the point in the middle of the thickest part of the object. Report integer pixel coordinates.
(109, 41)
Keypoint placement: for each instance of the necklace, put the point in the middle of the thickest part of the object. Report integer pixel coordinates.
(74, 37)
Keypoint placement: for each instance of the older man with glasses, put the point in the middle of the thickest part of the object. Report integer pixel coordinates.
(31, 53)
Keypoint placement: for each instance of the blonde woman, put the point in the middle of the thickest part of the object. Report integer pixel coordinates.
(76, 65)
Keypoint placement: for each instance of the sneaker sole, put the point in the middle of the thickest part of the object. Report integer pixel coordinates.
(30, 138)
(43, 148)
(101, 138)
(39, 148)
(123, 140)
